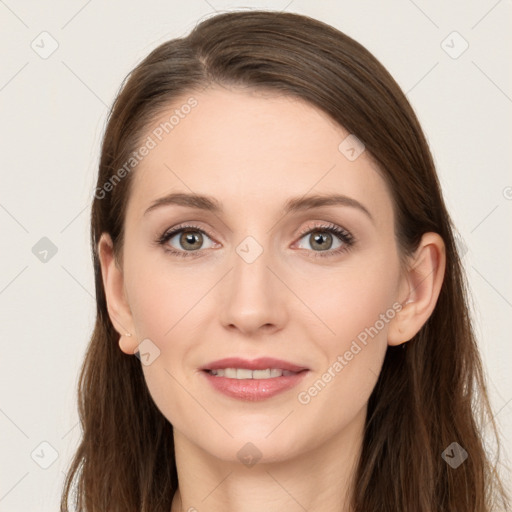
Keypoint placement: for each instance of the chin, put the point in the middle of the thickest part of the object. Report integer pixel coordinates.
(250, 447)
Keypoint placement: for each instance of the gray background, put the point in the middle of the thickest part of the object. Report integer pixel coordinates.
(53, 109)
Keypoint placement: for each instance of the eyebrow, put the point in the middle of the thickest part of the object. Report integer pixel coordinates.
(209, 203)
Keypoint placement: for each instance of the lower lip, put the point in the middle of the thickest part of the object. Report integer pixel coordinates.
(254, 389)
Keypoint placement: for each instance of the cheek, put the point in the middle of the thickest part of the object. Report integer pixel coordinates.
(158, 298)
(339, 389)
(165, 308)
(356, 305)
(353, 298)
(159, 308)
(153, 307)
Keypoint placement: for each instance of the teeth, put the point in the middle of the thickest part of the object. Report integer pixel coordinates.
(265, 374)
(244, 373)
(230, 373)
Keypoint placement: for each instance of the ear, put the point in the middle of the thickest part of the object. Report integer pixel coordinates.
(419, 289)
(117, 305)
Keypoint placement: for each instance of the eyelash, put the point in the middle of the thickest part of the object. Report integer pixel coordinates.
(345, 237)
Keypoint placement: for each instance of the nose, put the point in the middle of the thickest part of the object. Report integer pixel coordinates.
(252, 298)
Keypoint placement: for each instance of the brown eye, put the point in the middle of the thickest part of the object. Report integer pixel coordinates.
(184, 241)
(320, 240)
(191, 240)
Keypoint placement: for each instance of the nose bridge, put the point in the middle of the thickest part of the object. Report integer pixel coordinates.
(251, 276)
(251, 296)
(252, 251)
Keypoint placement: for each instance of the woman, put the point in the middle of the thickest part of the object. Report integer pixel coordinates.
(271, 243)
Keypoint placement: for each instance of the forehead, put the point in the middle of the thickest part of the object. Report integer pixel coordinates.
(251, 150)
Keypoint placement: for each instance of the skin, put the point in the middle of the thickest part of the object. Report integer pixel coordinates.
(252, 152)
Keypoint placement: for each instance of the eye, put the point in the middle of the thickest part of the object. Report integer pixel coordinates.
(321, 237)
(189, 241)
(191, 238)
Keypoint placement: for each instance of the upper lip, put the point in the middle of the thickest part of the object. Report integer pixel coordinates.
(261, 363)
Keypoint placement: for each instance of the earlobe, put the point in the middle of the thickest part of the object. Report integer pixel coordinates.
(423, 283)
(127, 344)
(113, 284)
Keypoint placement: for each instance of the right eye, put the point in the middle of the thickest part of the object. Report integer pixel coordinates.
(188, 242)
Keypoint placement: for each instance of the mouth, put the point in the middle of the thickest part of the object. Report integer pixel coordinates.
(253, 380)
(231, 364)
(244, 373)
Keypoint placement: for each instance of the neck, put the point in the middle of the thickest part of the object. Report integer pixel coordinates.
(320, 479)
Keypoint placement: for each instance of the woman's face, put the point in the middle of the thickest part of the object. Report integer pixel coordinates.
(254, 279)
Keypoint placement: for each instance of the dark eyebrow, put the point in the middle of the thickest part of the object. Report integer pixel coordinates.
(211, 204)
(317, 201)
(189, 200)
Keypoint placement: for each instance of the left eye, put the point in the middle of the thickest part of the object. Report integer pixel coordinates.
(322, 239)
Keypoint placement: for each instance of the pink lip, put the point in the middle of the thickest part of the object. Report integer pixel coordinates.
(254, 389)
(261, 363)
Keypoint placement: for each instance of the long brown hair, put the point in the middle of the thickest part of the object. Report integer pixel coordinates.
(427, 396)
